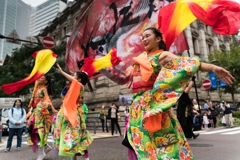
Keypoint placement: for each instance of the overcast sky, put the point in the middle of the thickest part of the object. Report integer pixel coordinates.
(35, 3)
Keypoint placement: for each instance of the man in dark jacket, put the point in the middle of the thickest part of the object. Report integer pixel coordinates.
(184, 113)
(227, 114)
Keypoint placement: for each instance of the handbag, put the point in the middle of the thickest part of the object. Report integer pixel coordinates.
(98, 116)
(118, 116)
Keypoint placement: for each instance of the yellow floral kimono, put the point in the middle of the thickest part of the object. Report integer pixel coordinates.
(39, 121)
(169, 142)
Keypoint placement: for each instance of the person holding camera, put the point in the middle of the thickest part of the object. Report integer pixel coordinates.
(103, 118)
(113, 114)
(228, 114)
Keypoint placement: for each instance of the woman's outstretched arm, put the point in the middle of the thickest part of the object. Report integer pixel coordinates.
(220, 72)
(69, 77)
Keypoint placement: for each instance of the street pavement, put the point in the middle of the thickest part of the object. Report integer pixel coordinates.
(213, 144)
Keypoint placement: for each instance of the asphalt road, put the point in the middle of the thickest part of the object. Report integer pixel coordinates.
(217, 144)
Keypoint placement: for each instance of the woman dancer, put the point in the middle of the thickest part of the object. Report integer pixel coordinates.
(70, 134)
(158, 80)
(40, 120)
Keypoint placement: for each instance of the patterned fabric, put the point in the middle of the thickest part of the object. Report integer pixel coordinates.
(68, 140)
(40, 119)
(85, 111)
(169, 142)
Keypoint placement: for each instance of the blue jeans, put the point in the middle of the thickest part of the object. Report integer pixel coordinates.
(11, 134)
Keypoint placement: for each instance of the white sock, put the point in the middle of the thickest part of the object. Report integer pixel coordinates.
(41, 153)
(47, 148)
(86, 158)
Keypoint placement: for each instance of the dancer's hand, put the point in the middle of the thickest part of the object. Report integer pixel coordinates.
(223, 74)
(54, 110)
(59, 69)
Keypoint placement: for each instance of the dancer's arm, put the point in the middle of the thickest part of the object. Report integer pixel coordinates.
(46, 96)
(69, 77)
(220, 72)
(187, 89)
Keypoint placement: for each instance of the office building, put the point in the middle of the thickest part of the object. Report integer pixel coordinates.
(44, 13)
(14, 14)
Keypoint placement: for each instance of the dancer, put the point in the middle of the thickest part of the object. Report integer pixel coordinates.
(70, 134)
(40, 120)
(184, 112)
(158, 80)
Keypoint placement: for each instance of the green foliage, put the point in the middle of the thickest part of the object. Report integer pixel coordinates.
(236, 114)
(21, 63)
(230, 61)
(236, 122)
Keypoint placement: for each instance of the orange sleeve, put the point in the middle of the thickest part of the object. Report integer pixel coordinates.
(70, 102)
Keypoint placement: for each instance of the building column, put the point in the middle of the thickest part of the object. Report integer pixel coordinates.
(215, 41)
(227, 40)
(202, 41)
(188, 35)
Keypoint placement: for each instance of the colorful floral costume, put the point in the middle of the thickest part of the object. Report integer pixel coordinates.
(71, 140)
(39, 121)
(167, 84)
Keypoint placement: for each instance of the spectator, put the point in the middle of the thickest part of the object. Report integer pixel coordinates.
(126, 112)
(214, 113)
(205, 120)
(103, 114)
(195, 106)
(112, 113)
(196, 114)
(208, 103)
(227, 114)
(17, 117)
(210, 119)
(196, 122)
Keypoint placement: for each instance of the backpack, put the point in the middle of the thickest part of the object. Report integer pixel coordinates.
(7, 121)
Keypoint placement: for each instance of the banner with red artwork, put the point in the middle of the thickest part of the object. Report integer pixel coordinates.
(103, 24)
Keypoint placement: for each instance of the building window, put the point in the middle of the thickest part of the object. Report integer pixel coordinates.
(196, 46)
(64, 32)
(211, 49)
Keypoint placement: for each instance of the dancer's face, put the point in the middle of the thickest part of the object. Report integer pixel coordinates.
(42, 80)
(150, 41)
(76, 77)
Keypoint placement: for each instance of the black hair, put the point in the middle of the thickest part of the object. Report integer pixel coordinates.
(16, 101)
(83, 76)
(49, 84)
(157, 33)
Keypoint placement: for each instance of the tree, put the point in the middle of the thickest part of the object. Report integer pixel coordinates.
(20, 64)
(230, 61)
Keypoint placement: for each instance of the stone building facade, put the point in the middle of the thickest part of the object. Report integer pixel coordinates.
(201, 39)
